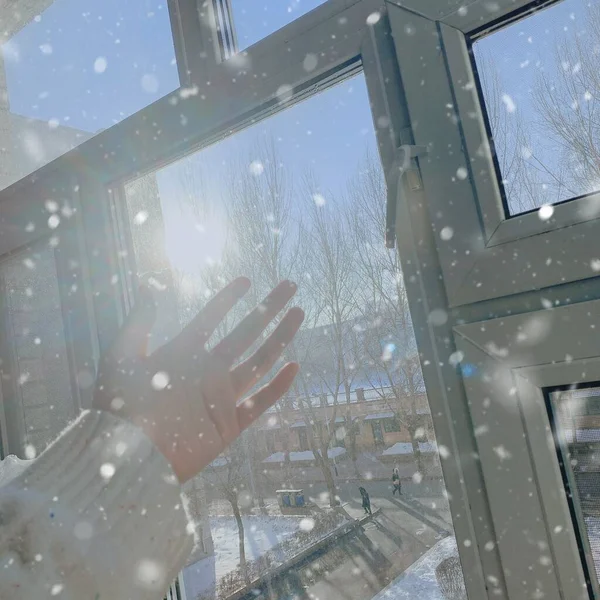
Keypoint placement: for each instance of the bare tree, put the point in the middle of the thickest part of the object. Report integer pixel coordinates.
(230, 471)
(529, 178)
(567, 97)
(333, 285)
(391, 362)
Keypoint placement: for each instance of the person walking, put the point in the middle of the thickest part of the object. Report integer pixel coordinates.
(366, 501)
(396, 482)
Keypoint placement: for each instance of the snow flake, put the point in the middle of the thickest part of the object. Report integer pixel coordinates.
(149, 83)
(100, 64)
(319, 199)
(437, 317)
(509, 103)
(373, 18)
(461, 173)
(446, 233)
(256, 168)
(30, 451)
(310, 62)
(107, 470)
(46, 49)
(51, 206)
(502, 453)
(284, 92)
(306, 524)
(388, 352)
(160, 380)
(545, 212)
(56, 589)
(140, 218)
(456, 358)
(150, 574)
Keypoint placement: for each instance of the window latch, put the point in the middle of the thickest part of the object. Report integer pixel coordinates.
(404, 173)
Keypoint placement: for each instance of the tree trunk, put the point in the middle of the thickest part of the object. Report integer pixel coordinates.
(352, 439)
(417, 454)
(331, 488)
(240, 525)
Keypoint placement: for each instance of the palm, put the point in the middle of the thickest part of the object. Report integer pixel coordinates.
(186, 397)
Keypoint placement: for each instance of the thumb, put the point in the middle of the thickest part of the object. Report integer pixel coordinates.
(132, 340)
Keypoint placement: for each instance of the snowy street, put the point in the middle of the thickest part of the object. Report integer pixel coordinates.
(261, 534)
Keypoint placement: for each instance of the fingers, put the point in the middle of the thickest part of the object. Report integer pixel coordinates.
(204, 324)
(242, 337)
(254, 406)
(246, 374)
(132, 340)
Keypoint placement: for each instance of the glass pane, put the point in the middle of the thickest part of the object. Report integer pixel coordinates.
(38, 398)
(577, 426)
(256, 19)
(302, 196)
(75, 68)
(540, 84)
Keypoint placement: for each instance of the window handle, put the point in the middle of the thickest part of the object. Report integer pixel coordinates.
(405, 173)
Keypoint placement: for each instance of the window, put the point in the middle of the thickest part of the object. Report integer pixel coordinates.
(256, 19)
(391, 425)
(74, 69)
(38, 399)
(578, 441)
(275, 200)
(539, 83)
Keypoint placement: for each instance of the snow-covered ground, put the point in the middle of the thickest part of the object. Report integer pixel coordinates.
(261, 534)
(418, 581)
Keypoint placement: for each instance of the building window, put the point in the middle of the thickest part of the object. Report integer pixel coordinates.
(391, 425)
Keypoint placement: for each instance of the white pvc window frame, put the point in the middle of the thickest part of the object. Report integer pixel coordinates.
(510, 374)
(489, 254)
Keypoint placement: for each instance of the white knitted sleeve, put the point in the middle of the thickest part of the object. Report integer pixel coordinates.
(98, 515)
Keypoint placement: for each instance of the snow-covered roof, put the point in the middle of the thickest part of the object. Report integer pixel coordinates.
(398, 448)
(305, 455)
(423, 410)
(298, 424)
(585, 393)
(268, 427)
(588, 435)
(427, 447)
(278, 457)
(384, 415)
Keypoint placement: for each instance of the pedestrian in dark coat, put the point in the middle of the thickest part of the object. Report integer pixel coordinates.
(396, 482)
(366, 501)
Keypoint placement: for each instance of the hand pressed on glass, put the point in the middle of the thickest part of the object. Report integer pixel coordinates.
(185, 396)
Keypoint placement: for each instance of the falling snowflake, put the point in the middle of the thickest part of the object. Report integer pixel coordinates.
(446, 233)
(149, 83)
(100, 64)
(160, 380)
(107, 470)
(140, 218)
(256, 168)
(509, 103)
(373, 18)
(306, 524)
(319, 199)
(545, 212)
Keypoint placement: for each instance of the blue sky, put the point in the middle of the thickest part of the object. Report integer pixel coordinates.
(88, 64)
